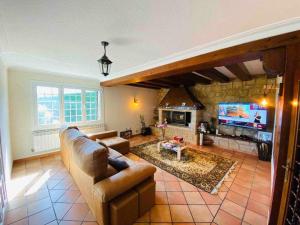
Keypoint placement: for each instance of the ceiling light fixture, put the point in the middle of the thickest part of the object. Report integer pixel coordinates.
(104, 61)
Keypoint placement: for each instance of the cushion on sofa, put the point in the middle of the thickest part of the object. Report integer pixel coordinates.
(91, 157)
(118, 164)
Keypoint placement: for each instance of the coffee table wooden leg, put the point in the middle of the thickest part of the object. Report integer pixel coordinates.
(179, 155)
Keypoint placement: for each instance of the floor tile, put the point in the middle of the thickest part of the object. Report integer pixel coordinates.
(260, 198)
(185, 186)
(161, 198)
(42, 218)
(69, 197)
(224, 218)
(16, 214)
(193, 198)
(61, 209)
(56, 194)
(237, 198)
(211, 199)
(160, 213)
(213, 209)
(201, 213)
(172, 186)
(233, 208)
(63, 222)
(176, 198)
(77, 212)
(91, 218)
(258, 208)
(254, 218)
(38, 206)
(21, 222)
(180, 213)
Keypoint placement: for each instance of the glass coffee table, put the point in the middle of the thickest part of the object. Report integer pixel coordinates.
(172, 145)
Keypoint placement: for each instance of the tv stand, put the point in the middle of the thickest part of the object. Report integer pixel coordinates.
(243, 143)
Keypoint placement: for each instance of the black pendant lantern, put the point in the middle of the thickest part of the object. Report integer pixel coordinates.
(104, 61)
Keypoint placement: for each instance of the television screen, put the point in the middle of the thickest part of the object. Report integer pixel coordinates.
(248, 115)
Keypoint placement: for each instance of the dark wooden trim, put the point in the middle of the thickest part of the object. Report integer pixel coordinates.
(236, 54)
(240, 71)
(215, 75)
(283, 127)
(274, 61)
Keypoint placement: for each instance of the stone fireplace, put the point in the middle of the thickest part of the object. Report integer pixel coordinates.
(182, 111)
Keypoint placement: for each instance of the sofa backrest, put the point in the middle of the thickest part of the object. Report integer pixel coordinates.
(67, 136)
(90, 157)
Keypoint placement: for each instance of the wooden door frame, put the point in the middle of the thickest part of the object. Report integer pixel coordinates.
(287, 128)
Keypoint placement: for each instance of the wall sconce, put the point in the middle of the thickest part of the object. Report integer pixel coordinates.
(135, 100)
(295, 103)
(264, 101)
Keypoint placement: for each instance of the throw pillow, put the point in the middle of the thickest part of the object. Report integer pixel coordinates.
(118, 164)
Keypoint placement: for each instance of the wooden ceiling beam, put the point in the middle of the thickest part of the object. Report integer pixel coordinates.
(180, 80)
(274, 61)
(172, 83)
(240, 71)
(197, 78)
(214, 75)
(158, 83)
(143, 86)
(231, 55)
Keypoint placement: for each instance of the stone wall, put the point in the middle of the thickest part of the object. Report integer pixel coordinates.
(236, 91)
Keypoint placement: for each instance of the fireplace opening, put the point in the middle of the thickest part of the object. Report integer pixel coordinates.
(178, 118)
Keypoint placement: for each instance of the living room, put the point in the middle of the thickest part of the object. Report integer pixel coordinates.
(149, 113)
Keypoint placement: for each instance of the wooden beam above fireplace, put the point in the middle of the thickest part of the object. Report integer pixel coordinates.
(240, 71)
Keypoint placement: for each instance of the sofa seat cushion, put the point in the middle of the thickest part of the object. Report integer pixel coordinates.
(117, 143)
(91, 157)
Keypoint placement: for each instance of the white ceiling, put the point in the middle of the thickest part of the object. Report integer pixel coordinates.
(64, 36)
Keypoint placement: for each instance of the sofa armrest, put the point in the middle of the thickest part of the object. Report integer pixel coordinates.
(123, 181)
(104, 134)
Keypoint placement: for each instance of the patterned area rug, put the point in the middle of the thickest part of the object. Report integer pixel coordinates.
(204, 170)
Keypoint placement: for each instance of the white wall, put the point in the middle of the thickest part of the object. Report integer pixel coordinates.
(120, 110)
(4, 121)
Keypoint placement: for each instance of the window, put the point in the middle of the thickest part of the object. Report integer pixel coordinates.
(58, 105)
(91, 105)
(72, 105)
(48, 105)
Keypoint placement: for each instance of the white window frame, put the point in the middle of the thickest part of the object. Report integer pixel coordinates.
(61, 87)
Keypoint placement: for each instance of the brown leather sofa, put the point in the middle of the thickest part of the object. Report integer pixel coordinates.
(111, 139)
(114, 197)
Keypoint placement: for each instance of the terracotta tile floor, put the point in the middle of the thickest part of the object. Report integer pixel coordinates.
(42, 192)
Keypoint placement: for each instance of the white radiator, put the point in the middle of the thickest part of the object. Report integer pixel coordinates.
(46, 140)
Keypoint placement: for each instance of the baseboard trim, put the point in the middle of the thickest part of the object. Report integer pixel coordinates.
(56, 152)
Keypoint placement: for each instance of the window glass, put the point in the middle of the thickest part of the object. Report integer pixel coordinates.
(72, 105)
(48, 105)
(91, 105)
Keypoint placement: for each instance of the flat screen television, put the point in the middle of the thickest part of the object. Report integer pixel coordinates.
(248, 115)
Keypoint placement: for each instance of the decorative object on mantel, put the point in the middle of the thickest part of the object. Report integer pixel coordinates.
(126, 134)
(202, 169)
(163, 127)
(104, 61)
